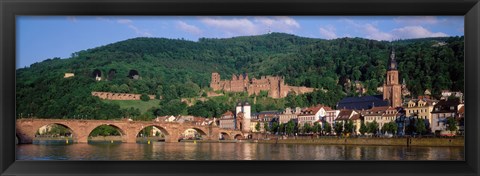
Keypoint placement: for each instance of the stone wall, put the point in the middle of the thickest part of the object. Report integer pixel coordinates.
(119, 96)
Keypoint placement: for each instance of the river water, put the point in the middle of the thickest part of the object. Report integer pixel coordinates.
(231, 151)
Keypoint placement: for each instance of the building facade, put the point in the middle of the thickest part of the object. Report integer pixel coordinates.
(227, 121)
(443, 110)
(421, 108)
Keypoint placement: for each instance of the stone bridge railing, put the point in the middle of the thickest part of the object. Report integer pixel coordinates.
(81, 129)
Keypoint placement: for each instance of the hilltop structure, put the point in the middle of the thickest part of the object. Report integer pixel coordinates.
(274, 85)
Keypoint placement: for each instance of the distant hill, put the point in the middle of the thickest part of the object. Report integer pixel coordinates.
(175, 69)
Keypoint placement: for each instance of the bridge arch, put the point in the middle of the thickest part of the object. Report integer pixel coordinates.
(45, 127)
(166, 134)
(200, 131)
(238, 136)
(120, 130)
(225, 136)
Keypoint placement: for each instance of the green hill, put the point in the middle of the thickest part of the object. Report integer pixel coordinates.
(177, 69)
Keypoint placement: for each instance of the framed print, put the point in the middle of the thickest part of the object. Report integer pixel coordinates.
(251, 87)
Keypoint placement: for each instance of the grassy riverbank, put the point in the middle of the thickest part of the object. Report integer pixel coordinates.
(438, 142)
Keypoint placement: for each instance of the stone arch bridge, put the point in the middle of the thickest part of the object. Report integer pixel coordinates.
(81, 129)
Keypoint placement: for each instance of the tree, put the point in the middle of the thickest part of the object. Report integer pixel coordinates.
(421, 128)
(290, 127)
(363, 128)
(327, 129)
(451, 124)
(144, 97)
(372, 127)
(274, 128)
(306, 128)
(317, 128)
(349, 127)
(266, 127)
(338, 127)
(257, 127)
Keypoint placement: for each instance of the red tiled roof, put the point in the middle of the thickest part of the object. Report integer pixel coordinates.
(355, 117)
(461, 110)
(228, 113)
(344, 114)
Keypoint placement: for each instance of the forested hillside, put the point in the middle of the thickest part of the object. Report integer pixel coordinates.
(174, 69)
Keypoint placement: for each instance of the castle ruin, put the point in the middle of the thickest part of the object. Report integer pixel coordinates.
(274, 85)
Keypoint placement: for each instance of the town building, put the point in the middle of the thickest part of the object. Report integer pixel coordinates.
(227, 120)
(274, 85)
(265, 117)
(312, 114)
(392, 90)
(331, 116)
(377, 114)
(443, 110)
(165, 119)
(289, 114)
(347, 114)
(421, 108)
(447, 94)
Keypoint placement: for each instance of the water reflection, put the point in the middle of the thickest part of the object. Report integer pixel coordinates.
(232, 151)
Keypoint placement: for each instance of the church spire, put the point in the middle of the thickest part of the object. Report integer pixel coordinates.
(392, 63)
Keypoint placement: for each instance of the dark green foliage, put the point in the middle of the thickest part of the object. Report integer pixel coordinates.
(338, 127)
(451, 124)
(105, 130)
(257, 127)
(144, 97)
(348, 127)
(372, 127)
(175, 69)
(421, 128)
(327, 129)
(363, 128)
(391, 127)
(317, 128)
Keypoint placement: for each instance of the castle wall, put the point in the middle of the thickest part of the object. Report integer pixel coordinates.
(275, 85)
(119, 96)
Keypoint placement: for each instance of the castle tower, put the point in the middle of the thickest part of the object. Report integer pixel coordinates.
(392, 90)
(215, 82)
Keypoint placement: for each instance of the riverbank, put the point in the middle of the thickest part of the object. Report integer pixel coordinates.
(436, 142)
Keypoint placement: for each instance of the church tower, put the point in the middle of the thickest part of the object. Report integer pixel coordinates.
(392, 90)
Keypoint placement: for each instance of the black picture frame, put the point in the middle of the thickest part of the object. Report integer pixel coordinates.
(11, 8)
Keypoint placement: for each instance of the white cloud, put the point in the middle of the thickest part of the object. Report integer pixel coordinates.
(231, 27)
(328, 32)
(415, 32)
(416, 20)
(251, 26)
(137, 30)
(370, 31)
(373, 32)
(188, 28)
(72, 19)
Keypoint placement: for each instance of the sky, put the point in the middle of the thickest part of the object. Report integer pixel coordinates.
(44, 37)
